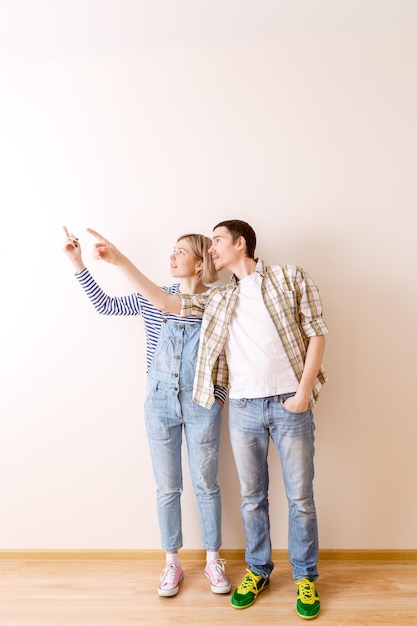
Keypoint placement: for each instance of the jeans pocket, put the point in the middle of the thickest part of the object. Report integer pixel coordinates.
(239, 403)
(151, 386)
(292, 412)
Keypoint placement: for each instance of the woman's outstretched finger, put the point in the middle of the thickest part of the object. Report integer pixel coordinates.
(97, 235)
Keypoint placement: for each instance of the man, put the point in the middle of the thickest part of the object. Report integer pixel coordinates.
(263, 335)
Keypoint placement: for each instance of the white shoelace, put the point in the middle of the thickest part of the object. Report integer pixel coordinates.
(169, 574)
(217, 570)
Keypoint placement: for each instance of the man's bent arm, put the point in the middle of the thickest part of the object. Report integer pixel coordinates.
(299, 403)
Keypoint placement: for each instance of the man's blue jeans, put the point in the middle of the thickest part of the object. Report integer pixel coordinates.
(252, 422)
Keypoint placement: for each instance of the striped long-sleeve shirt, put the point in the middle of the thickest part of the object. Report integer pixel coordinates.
(136, 304)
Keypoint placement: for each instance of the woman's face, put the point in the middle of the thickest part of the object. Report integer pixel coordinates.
(183, 261)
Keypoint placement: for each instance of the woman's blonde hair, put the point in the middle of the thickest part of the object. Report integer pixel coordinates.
(200, 244)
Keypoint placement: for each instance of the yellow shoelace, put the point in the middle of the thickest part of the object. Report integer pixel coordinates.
(307, 591)
(248, 584)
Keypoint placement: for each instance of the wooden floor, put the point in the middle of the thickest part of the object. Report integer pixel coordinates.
(123, 593)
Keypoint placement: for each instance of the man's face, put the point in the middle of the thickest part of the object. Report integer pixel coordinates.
(223, 251)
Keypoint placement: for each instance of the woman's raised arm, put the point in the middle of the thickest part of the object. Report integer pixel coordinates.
(104, 250)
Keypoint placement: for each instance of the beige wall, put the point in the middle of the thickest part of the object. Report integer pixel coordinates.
(145, 119)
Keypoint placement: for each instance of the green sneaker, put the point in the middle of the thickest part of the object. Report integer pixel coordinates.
(308, 601)
(247, 592)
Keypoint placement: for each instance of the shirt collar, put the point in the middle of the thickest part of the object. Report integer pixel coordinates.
(260, 268)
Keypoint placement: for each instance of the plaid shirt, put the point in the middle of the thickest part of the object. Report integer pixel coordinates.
(293, 302)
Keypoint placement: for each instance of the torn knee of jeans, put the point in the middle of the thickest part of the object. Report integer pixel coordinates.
(166, 491)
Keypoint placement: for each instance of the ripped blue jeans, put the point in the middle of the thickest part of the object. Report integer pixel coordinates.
(170, 412)
(253, 424)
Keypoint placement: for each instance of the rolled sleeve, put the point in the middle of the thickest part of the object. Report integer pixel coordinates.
(192, 305)
(311, 309)
(315, 327)
(220, 393)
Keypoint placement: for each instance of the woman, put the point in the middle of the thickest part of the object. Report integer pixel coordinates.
(171, 346)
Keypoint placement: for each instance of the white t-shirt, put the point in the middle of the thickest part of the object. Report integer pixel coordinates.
(258, 364)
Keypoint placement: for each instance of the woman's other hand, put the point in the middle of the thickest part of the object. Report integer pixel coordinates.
(72, 249)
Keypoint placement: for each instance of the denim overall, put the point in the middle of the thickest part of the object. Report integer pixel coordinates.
(169, 409)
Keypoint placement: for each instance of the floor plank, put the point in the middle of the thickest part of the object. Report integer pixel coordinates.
(123, 593)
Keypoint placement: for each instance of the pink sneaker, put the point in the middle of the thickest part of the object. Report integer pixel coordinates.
(169, 583)
(217, 576)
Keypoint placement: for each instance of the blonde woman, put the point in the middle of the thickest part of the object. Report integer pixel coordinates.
(171, 351)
